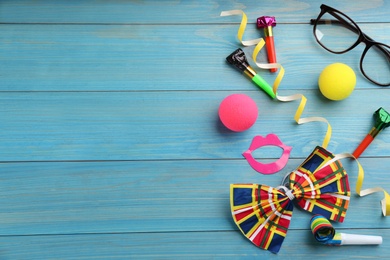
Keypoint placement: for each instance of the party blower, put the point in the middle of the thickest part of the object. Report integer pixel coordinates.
(238, 59)
(267, 22)
(324, 233)
(382, 120)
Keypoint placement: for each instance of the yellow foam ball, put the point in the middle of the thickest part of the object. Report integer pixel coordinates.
(337, 81)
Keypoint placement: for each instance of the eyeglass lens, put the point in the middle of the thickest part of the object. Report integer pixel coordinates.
(337, 33)
(376, 64)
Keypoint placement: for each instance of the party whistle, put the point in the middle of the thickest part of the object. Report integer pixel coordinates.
(324, 233)
(267, 22)
(382, 120)
(238, 59)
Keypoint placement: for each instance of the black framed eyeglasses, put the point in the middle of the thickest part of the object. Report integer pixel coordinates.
(337, 33)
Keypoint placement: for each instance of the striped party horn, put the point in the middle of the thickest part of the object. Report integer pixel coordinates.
(324, 233)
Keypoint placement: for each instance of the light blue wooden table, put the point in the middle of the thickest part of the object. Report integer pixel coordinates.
(110, 143)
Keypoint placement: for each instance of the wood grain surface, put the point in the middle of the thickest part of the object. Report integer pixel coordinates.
(110, 141)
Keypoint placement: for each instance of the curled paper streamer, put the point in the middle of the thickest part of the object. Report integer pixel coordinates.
(259, 45)
(242, 27)
(324, 233)
(269, 140)
(303, 99)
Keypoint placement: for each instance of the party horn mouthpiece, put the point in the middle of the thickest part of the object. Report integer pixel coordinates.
(238, 60)
(382, 120)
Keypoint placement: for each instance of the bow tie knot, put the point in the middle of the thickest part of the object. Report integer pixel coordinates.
(289, 193)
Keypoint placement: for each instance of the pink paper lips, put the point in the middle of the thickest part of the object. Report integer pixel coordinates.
(267, 168)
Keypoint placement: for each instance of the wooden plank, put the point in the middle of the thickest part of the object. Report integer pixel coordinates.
(152, 196)
(140, 57)
(157, 12)
(191, 245)
(63, 126)
(110, 143)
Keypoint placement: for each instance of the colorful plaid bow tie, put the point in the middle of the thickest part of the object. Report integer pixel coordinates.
(262, 213)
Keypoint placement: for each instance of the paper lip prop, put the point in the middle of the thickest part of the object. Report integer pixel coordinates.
(263, 213)
(324, 233)
(270, 140)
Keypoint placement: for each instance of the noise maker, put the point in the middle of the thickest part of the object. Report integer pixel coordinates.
(324, 233)
(267, 22)
(382, 120)
(238, 59)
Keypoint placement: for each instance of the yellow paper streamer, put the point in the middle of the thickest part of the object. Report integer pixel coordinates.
(242, 27)
(303, 99)
(259, 45)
